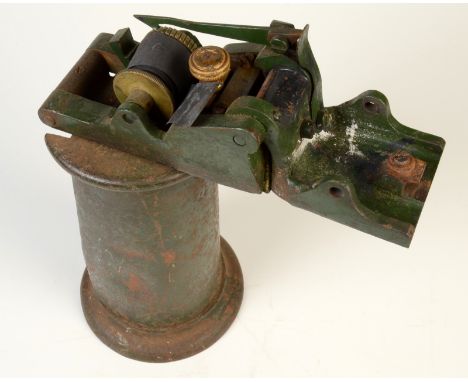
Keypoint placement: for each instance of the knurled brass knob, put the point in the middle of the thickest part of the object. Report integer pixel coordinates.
(210, 64)
(184, 37)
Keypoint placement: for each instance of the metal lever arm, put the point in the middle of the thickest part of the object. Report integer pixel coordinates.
(253, 34)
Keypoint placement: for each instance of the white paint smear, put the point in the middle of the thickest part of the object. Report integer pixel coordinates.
(316, 139)
(350, 134)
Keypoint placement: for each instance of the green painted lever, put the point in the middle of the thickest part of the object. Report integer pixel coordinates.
(253, 34)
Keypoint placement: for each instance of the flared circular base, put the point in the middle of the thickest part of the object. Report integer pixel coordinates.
(152, 344)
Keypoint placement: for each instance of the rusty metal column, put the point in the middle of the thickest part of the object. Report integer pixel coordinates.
(160, 283)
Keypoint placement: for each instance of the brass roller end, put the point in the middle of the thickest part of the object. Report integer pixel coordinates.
(210, 64)
(132, 83)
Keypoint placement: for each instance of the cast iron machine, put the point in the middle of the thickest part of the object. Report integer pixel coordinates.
(156, 125)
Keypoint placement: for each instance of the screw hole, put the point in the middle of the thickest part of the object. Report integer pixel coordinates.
(336, 192)
(371, 107)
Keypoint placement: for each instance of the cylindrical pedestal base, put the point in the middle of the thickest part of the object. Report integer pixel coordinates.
(160, 283)
(172, 342)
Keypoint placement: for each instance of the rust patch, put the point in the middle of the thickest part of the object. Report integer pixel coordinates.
(279, 183)
(47, 117)
(266, 84)
(131, 254)
(417, 191)
(410, 232)
(197, 249)
(115, 65)
(176, 341)
(291, 35)
(169, 257)
(404, 167)
(135, 254)
(134, 283)
(240, 84)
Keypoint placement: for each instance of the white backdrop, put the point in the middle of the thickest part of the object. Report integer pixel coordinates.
(320, 299)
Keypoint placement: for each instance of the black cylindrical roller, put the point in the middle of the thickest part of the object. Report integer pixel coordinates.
(167, 58)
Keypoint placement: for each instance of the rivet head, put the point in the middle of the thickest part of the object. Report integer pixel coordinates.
(210, 64)
(239, 140)
(401, 159)
(405, 167)
(129, 118)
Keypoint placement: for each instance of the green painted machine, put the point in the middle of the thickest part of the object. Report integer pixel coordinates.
(249, 116)
(267, 129)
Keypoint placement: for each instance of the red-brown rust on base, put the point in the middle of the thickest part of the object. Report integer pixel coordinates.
(108, 168)
(160, 284)
(152, 344)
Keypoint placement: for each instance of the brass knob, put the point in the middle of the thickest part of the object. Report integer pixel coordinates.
(210, 64)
